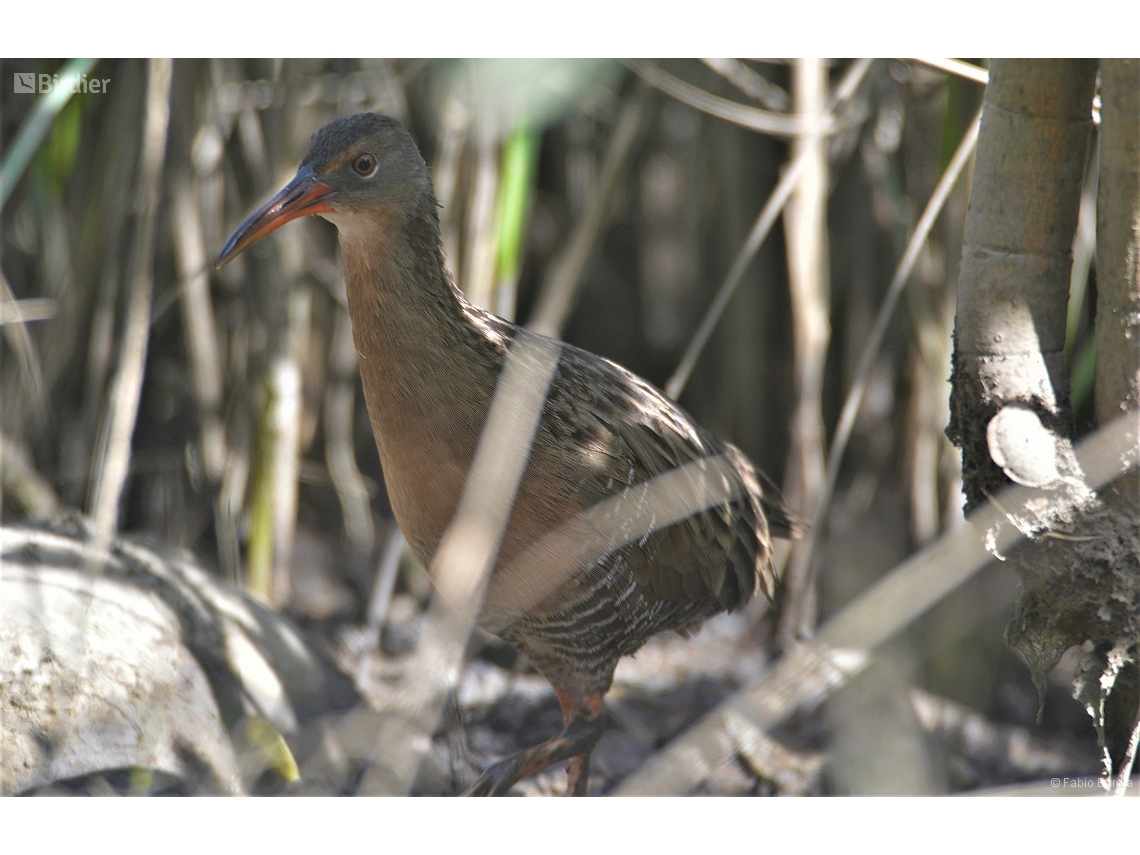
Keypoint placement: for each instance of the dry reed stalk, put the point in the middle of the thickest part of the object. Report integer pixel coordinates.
(845, 644)
(805, 228)
(112, 461)
(559, 290)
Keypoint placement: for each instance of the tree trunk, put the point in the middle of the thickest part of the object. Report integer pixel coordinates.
(1010, 409)
(1014, 280)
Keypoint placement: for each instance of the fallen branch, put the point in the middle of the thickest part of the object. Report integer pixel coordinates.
(846, 643)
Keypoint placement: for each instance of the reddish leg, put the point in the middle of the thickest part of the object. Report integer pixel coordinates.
(589, 707)
(578, 775)
(575, 742)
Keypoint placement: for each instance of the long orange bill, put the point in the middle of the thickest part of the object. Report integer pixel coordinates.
(304, 195)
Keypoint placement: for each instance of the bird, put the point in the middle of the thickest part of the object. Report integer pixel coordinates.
(429, 363)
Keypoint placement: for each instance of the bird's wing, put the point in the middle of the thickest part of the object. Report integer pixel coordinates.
(617, 432)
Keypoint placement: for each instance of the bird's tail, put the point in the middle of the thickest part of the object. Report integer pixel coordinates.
(781, 522)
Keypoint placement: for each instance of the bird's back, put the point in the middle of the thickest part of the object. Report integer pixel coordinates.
(603, 435)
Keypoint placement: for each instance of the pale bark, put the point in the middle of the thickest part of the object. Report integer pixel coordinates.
(1118, 241)
(1010, 405)
(1014, 278)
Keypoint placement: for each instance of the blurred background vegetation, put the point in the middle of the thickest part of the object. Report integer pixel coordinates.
(610, 196)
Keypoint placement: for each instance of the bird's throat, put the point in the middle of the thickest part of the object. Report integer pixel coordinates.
(428, 371)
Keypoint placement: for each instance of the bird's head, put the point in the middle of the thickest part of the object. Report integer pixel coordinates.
(355, 165)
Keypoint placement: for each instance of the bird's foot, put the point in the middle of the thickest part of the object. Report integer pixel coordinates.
(574, 743)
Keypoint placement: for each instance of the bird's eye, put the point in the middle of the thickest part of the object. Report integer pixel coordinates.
(364, 165)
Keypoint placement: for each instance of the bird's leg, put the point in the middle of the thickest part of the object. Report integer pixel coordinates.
(578, 775)
(589, 707)
(582, 728)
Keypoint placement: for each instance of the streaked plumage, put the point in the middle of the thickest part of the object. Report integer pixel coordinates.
(429, 362)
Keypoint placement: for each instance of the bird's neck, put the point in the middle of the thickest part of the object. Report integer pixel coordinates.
(427, 357)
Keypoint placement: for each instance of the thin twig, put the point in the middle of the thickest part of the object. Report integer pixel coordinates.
(464, 559)
(453, 127)
(1028, 530)
(392, 100)
(21, 312)
(114, 457)
(385, 584)
(560, 288)
(751, 83)
(957, 68)
(285, 377)
(340, 455)
(253, 146)
(273, 502)
(478, 280)
(764, 121)
(198, 327)
(13, 313)
(22, 485)
(902, 274)
(764, 222)
(410, 73)
(115, 204)
(805, 232)
(844, 645)
(602, 529)
(228, 508)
